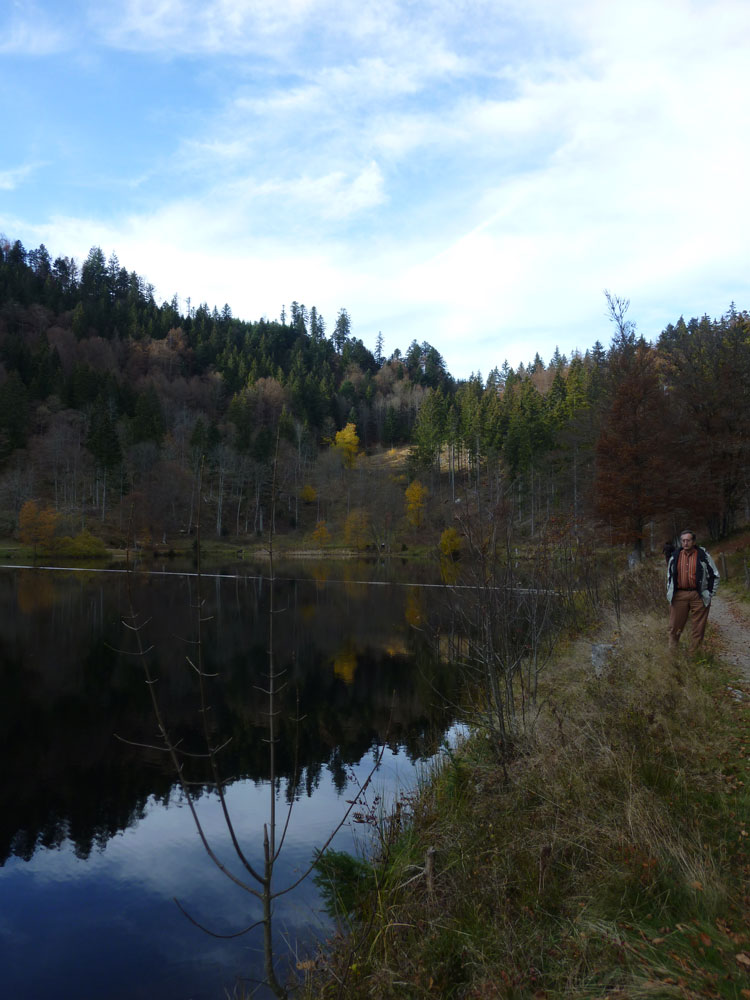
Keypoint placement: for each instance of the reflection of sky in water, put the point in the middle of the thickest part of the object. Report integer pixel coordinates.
(107, 926)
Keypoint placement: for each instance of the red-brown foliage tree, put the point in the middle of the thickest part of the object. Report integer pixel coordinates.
(634, 463)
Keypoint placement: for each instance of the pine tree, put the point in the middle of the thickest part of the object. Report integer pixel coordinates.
(342, 331)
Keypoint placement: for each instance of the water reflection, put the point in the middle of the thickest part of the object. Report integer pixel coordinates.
(94, 837)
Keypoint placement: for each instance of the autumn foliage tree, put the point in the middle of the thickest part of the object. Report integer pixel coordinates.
(450, 544)
(126, 396)
(321, 535)
(416, 501)
(346, 444)
(635, 455)
(36, 526)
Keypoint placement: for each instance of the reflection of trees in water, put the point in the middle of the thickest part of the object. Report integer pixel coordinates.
(66, 692)
(345, 664)
(415, 609)
(36, 591)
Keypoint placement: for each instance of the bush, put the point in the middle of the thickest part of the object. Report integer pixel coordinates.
(645, 588)
(83, 546)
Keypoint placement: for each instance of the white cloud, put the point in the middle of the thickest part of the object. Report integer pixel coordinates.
(29, 32)
(12, 178)
(221, 26)
(471, 174)
(331, 196)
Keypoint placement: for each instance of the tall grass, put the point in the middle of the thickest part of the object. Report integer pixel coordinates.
(608, 860)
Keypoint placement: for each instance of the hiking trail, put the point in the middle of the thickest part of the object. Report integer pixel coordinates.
(731, 620)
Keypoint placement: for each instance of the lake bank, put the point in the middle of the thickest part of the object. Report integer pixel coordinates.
(610, 859)
(214, 554)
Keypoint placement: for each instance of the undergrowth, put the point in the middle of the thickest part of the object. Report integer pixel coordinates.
(609, 860)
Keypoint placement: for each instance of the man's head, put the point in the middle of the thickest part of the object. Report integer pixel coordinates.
(687, 539)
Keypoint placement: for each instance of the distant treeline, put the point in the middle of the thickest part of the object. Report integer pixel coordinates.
(106, 395)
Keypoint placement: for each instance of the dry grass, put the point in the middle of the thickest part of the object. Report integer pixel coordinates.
(610, 862)
(392, 459)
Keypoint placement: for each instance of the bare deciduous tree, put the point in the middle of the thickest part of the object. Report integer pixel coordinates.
(258, 880)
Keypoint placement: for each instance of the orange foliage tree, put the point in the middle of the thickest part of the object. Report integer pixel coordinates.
(321, 534)
(36, 526)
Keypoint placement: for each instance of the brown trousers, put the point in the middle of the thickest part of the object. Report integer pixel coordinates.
(684, 603)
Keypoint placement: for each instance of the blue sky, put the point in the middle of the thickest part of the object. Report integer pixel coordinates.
(470, 173)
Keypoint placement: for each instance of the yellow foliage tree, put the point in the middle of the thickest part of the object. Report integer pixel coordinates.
(308, 494)
(321, 535)
(450, 544)
(356, 528)
(416, 500)
(347, 444)
(450, 550)
(36, 526)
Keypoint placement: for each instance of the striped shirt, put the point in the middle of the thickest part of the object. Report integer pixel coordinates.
(687, 564)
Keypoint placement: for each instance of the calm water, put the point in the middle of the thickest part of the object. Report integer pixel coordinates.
(96, 840)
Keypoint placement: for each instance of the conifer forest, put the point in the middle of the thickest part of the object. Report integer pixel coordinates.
(116, 410)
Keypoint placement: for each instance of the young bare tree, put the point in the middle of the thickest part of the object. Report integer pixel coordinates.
(257, 879)
(510, 610)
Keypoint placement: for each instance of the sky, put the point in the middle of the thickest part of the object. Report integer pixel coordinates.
(471, 173)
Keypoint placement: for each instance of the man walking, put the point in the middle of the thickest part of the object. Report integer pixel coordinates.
(692, 580)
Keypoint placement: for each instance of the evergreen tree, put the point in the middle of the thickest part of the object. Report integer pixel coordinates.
(708, 379)
(428, 434)
(14, 414)
(317, 326)
(148, 419)
(342, 331)
(94, 274)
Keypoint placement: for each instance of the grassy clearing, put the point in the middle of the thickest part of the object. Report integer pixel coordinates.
(612, 861)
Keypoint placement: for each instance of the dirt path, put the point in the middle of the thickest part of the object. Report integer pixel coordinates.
(730, 619)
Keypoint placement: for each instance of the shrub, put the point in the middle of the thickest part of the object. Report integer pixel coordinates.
(83, 546)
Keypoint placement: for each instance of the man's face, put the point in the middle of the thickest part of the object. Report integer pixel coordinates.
(687, 542)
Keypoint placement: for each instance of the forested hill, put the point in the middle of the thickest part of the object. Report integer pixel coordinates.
(107, 395)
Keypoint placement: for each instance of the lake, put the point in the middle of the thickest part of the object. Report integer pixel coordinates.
(96, 837)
